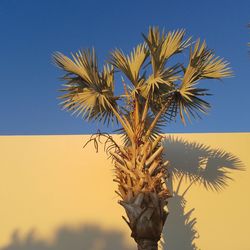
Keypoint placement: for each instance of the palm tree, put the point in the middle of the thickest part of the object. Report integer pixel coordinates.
(154, 94)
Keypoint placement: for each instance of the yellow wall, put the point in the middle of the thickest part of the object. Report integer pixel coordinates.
(51, 190)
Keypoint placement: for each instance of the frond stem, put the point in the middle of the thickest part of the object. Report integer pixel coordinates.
(123, 123)
(190, 185)
(158, 116)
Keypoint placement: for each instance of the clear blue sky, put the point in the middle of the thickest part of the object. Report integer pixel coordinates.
(32, 30)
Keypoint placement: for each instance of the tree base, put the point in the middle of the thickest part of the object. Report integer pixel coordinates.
(147, 245)
(146, 216)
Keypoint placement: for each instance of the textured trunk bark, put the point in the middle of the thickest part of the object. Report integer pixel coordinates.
(146, 216)
(147, 245)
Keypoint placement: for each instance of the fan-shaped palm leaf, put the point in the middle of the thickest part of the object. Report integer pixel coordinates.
(162, 46)
(202, 64)
(130, 65)
(89, 93)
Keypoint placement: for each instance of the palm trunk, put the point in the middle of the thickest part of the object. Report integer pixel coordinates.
(146, 216)
(147, 245)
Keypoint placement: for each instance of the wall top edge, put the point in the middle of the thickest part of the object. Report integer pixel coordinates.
(164, 134)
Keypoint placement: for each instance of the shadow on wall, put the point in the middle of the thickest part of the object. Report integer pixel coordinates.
(193, 164)
(86, 237)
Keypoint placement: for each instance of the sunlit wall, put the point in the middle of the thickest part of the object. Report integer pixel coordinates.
(55, 195)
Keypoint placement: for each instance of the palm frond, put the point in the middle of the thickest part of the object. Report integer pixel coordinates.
(89, 93)
(131, 64)
(202, 65)
(162, 46)
(157, 86)
(191, 105)
(84, 64)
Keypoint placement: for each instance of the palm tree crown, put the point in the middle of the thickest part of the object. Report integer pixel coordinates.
(159, 90)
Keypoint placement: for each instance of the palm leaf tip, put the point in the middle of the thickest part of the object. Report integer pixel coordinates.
(65, 63)
(59, 59)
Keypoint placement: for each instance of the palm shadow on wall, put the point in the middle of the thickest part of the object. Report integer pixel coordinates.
(85, 237)
(192, 163)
